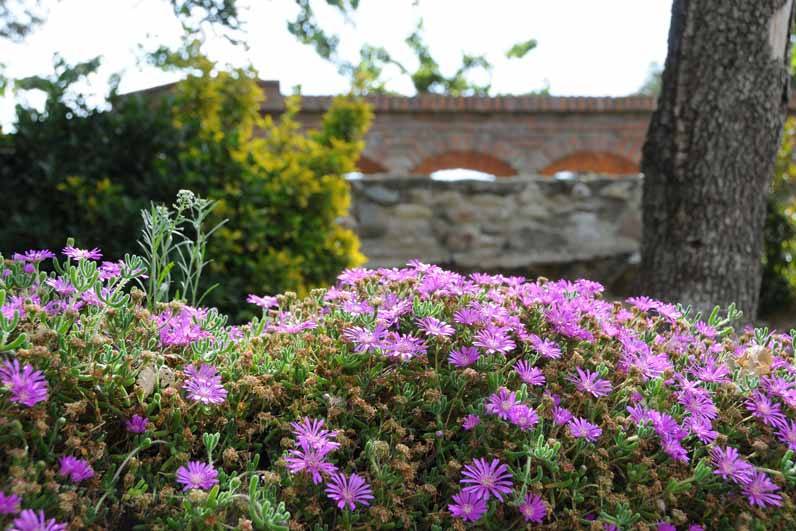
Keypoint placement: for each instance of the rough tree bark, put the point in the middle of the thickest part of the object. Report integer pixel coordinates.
(710, 150)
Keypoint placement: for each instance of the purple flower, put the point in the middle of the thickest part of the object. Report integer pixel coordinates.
(468, 316)
(34, 255)
(348, 492)
(524, 417)
(583, 429)
(533, 508)
(590, 382)
(204, 385)
(702, 429)
(61, 286)
(470, 422)
(528, 373)
(265, 302)
(464, 357)
(644, 304)
(9, 503)
(561, 415)
(761, 491)
(545, 347)
(698, 403)
(27, 386)
(82, 254)
(312, 460)
(434, 327)
(468, 506)
(500, 403)
(136, 424)
(197, 475)
(487, 479)
(787, 434)
(181, 328)
(665, 526)
(494, 339)
(365, 340)
(75, 469)
(403, 347)
(764, 409)
(311, 432)
(110, 270)
(731, 466)
(30, 520)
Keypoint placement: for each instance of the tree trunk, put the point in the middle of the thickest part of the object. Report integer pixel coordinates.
(710, 151)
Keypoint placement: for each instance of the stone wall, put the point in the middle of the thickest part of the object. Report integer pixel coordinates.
(586, 227)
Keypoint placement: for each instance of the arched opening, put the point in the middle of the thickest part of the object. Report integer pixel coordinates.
(367, 166)
(592, 162)
(466, 160)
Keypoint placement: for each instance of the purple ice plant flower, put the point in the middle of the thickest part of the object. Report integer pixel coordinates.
(75, 469)
(698, 403)
(26, 385)
(311, 432)
(403, 347)
(312, 460)
(137, 424)
(468, 316)
(61, 286)
(545, 347)
(665, 526)
(30, 520)
(500, 403)
(787, 434)
(731, 466)
(197, 475)
(561, 415)
(528, 373)
(583, 429)
(464, 357)
(265, 302)
(82, 254)
(9, 503)
(467, 506)
(347, 492)
(766, 410)
(34, 256)
(471, 421)
(494, 340)
(365, 340)
(204, 384)
(761, 491)
(590, 382)
(433, 327)
(487, 479)
(702, 429)
(533, 508)
(524, 417)
(183, 327)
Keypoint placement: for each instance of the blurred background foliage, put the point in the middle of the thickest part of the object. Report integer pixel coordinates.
(86, 173)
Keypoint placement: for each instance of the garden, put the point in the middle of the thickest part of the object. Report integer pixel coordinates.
(192, 338)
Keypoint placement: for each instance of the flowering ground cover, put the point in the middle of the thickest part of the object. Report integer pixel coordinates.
(411, 398)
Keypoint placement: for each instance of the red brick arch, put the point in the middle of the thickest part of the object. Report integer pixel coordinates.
(367, 166)
(470, 160)
(592, 161)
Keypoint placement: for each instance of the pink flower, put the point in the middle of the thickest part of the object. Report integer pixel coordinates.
(487, 479)
(434, 327)
(464, 357)
(9, 503)
(583, 429)
(264, 302)
(204, 385)
(312, 460)
(82, 254)
(533, 508)
(27, 386)
(30, 520)
(590, 382)
(468, 506)
(349, 491)
(75, 469)
(470, 422)
(761, 491)
(197, 475)
(529, 374)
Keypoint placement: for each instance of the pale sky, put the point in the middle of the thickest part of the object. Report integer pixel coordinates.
(586, 47)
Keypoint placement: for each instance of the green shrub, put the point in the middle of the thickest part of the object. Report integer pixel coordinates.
(115, 416)
(86, 173)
